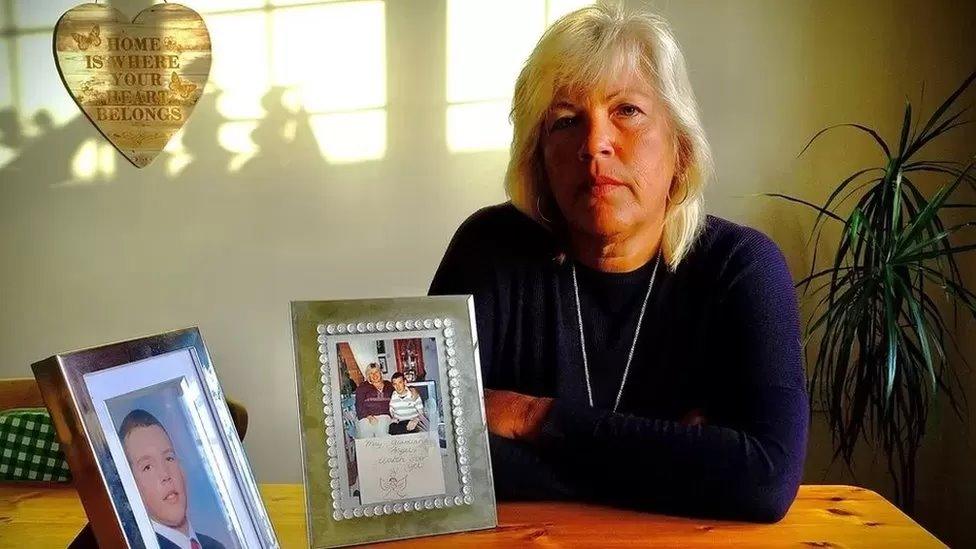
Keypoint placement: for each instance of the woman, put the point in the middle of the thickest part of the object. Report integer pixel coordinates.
(638, 352)
(373, 404)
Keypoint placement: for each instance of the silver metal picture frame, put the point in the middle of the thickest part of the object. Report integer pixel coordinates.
(152, 445)
(396, 452)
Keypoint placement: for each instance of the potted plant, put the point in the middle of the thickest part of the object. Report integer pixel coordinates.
(882, 355)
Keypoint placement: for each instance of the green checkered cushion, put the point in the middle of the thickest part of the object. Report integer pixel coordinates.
(29, 448)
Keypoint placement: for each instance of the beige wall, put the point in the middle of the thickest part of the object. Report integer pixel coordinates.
(139, 251)
(769, 74)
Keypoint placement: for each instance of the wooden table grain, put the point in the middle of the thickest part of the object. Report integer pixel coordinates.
(821, 516)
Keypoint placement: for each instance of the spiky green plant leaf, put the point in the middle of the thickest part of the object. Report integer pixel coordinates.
(882, 339)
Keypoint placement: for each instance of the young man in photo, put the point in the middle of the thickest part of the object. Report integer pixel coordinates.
(161, 482)
(406, 407)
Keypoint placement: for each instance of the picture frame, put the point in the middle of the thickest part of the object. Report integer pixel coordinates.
(424, 469)
(152, 446)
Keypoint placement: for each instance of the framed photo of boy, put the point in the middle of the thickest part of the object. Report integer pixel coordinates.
(152, 446)
(395, 452)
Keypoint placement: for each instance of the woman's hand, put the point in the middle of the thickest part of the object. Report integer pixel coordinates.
(514, 415)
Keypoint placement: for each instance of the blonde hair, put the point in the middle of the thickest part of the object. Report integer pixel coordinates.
(586, 48)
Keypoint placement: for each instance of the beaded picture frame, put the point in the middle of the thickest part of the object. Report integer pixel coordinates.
(394, 452)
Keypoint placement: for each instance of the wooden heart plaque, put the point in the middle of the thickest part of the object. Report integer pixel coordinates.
(136, 81)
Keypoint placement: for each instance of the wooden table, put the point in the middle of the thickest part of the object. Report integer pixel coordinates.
(822, 516)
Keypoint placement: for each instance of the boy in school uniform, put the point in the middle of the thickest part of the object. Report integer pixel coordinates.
(159, 477)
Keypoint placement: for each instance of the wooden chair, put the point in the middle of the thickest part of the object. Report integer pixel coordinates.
(19, 392)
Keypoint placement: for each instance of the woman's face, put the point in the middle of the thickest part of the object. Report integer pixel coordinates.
(609, 157)
(375, 376)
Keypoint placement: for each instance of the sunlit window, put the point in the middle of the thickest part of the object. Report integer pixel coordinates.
(32, 102)
(282, 64)
(94, 160)
(40, 15)
(40, 87)
(487, 42)
(6, 99)
(279, 66)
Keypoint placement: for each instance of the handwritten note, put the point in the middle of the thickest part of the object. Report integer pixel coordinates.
(399, 467)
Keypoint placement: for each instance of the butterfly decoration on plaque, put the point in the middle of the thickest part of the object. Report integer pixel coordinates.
(137, 81)
(85, 41)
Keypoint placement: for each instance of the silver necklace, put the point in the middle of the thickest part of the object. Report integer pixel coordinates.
(633, 344)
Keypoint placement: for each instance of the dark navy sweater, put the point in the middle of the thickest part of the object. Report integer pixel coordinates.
(720, 336)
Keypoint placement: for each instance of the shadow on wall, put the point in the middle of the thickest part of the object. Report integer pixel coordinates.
(44, 158)
(75, 153)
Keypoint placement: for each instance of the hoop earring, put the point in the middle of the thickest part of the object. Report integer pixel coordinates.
(538, 208)
(683, 198)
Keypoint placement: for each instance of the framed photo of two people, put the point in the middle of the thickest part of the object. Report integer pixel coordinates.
(152, 447)
(397, 451)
